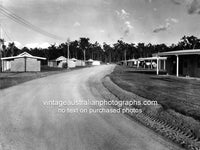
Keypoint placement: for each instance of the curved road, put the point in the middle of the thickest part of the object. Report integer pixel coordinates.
(26, 123)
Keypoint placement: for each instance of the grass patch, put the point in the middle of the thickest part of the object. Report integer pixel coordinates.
(180, 95)
(8, 79)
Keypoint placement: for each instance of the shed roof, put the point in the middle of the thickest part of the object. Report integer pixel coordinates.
(181, 52)
(23, 55)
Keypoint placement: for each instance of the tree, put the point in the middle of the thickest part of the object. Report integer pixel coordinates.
(11, 46)
(121, 49)
(192, 41)
(132, 51)
(53, 52)
(11, 50)
(189, 42)
(141, 49)
(96, 51)
(107, 52)
(74, 49)
(84, 45)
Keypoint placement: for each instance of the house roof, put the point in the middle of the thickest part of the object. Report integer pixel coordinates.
(153, 58)
(61, 58)
(73, 59)
(181, 52)
(23, 55)
(90, 60)
(132, 60)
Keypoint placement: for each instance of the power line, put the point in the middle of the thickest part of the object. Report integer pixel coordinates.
(28, 24)
(6, 33)
(25, 23)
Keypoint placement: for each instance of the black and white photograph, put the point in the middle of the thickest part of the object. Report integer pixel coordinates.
(99, 74)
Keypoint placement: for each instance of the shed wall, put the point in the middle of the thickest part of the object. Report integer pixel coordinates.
(18, 65)
(32, 64)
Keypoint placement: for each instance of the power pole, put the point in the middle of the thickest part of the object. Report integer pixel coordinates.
(84, 55)
(1, 48)
(68, 42)
(1, 38)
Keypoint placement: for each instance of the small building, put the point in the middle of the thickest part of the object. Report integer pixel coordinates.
(183, 62)
(91, 62)
(80, 63)
(132, 62)
(123, 62)
(61, 61)
(21, 63)
(96, 63)
(52, 63)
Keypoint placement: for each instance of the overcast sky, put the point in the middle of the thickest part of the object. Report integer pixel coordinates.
(155, 21)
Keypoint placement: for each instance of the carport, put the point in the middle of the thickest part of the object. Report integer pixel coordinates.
(160, 62)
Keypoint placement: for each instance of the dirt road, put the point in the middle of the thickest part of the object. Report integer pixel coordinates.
(26, 123)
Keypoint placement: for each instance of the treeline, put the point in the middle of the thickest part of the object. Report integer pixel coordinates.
(83, 49)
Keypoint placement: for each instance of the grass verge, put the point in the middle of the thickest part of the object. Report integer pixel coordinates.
(8, 79)
(178, 98)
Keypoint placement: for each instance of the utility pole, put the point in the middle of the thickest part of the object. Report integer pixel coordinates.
(1, 48)
(68, 42)
(1, 38)
(84, 55)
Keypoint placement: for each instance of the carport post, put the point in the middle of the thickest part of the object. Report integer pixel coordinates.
(157, 69)
(177, 65)
(2, 65)
(138, 64)
(164, 64)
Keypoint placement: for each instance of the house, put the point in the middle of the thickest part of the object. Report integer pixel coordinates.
(183, 62)
(132, 62)
(22, 63)
(61, 61)
(91, 62)
(96, 63)
(78, 63)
